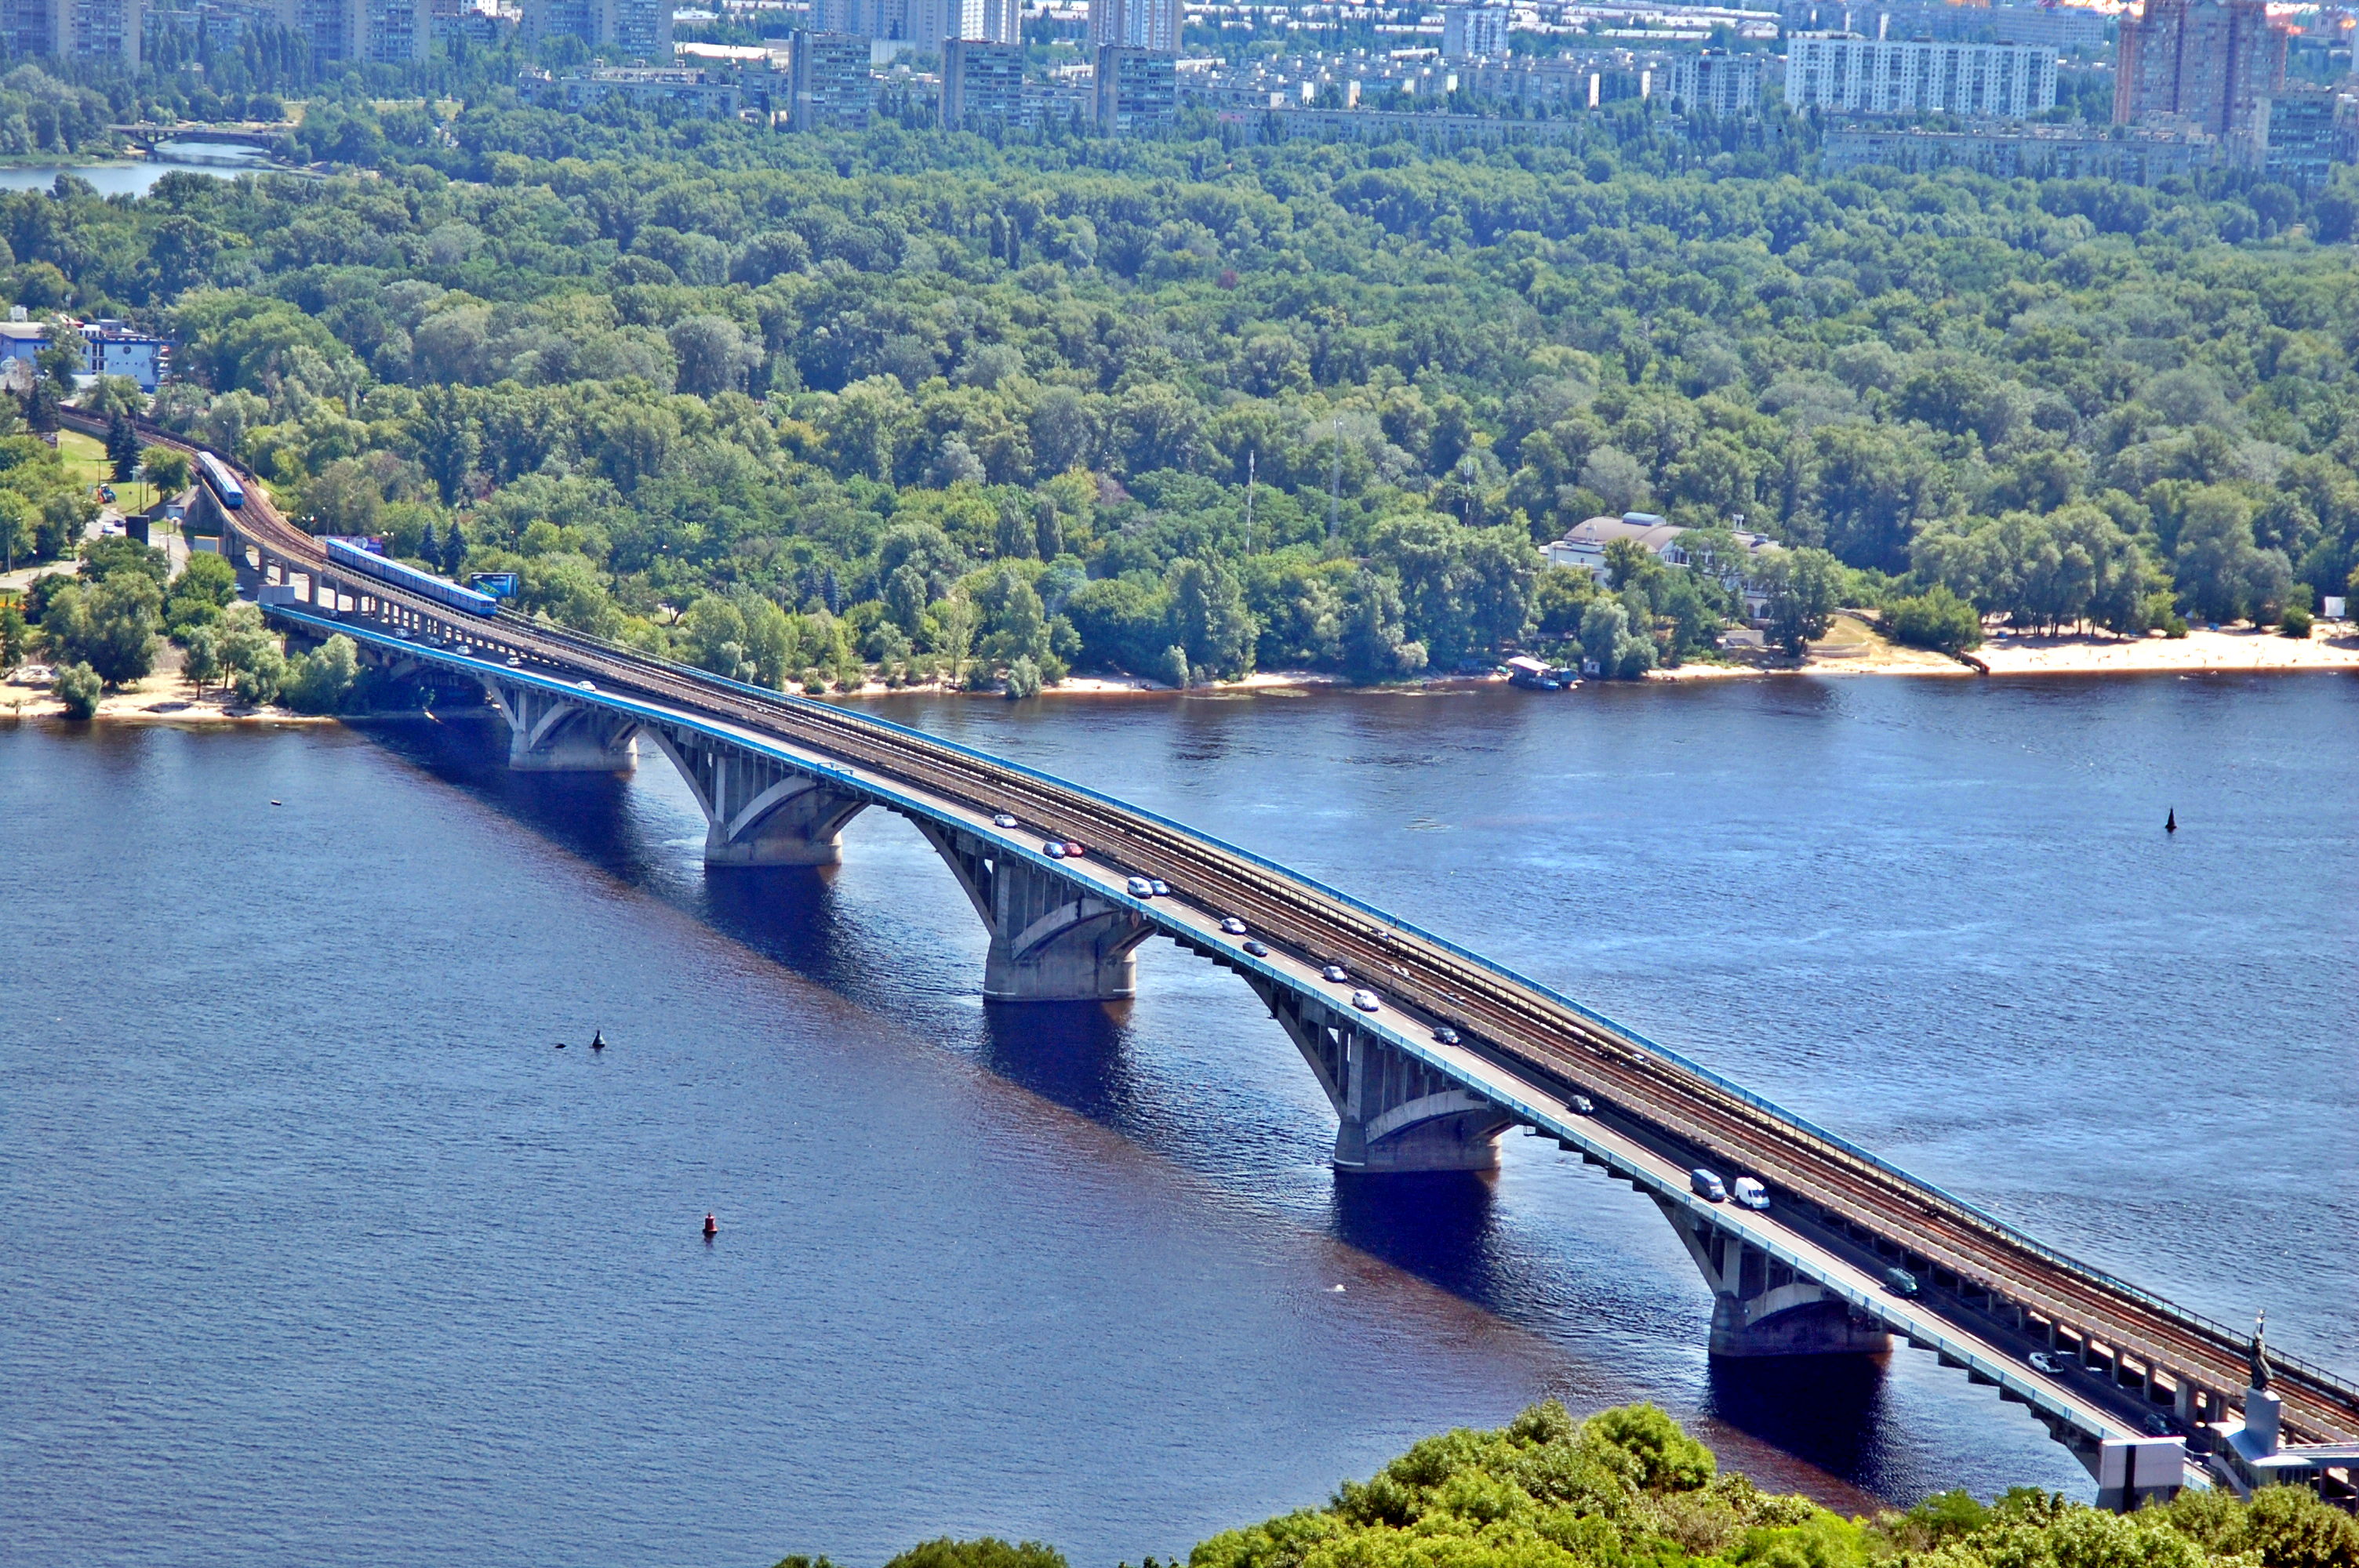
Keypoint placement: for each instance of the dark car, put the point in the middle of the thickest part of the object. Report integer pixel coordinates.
(1900, 1281)
(1257, 949)
(1445, 1035)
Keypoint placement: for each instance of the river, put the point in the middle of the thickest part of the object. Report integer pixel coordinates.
(137, 176)
(319, 1254)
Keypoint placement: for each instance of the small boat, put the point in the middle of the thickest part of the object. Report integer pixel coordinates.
(2171, 820)
(598, 1040)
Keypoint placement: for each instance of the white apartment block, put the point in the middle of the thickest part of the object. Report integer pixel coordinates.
(1135, 25)
(1474, 32)
(1717, 84)
(1846, 74)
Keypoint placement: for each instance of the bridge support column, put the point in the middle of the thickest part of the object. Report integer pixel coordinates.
(1052, 939)
(757, 810)
(552, 735)
(1760, 1308)
(1394, 1114)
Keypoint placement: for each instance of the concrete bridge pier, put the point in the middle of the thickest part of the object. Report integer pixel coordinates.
(549, 734)
(758, 811)
(1759, 1307)
(1051, 940)
(1394, 1114)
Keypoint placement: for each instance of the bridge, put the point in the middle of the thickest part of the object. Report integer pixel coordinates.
(1455, 1051)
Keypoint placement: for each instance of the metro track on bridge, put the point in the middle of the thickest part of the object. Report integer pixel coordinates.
(1528, 1048)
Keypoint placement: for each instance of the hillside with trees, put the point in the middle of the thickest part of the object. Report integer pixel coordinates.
(794, 406)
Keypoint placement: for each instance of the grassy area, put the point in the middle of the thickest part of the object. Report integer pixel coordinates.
(85, 458)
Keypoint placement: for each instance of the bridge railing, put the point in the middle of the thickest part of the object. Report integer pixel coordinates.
(2307, 1371)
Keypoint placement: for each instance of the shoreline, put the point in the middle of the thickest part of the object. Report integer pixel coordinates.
(165, 697)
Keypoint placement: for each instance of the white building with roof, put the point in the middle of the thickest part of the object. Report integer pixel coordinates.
(1582, 548)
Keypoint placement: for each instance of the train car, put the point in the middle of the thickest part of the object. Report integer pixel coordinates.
(351, 557)
(224, 483)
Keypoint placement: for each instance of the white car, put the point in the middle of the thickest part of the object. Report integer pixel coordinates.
(1002, 820)
(1139, 887)
(1162, 888)
(1234, 926)
(1336, 974)
(1366, 1001)
(587, 686)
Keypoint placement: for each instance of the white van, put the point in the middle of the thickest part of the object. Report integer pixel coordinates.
(1749, 1192)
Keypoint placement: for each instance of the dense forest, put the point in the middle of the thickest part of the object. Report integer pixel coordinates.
(1626, 1489)
(791, 406)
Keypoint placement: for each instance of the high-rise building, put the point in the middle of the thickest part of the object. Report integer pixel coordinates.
(2214, 64)
(832, 84)
(380, 32)
(75, 30)
(2310, 132)
(1717, 82)
(983, 83)
(925, 22)
(618, 29)
(1477, 31)
(1152, 25)
(1846, 74)
(1137, 89)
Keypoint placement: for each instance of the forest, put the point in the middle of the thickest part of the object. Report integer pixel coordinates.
(1626, 1489)
(806, 408)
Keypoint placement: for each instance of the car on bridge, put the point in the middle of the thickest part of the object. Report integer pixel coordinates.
(1336, 974)
(1258, 949)
(1750, 1194)
(1054, 849)
(1579, 1104)
(1073, 851)
(1003, 820)
(1162, 888)
(2046, 1361)
(1366, 1001)
(1139, 887)
(1900, 1281)
(1445, 1035)
(1234, 926)
(1706, 1185)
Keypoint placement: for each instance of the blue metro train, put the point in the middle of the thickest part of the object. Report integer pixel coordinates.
(224, 483)
(351, 557)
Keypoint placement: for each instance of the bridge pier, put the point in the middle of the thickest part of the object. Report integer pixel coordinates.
(549, 734)
(1394, 1114)
(1759, 1307)
(1051, 940)
(758, 811)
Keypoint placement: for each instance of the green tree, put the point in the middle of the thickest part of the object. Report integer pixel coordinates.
(1014, 624)
(77, 686)
(1374, 638)
(201, 660)
(1937, 618)
(320, 681)
(165, 469)
(1209, 613)
(109, 626)
(1802, 585)
(14, 637)
(122, 448)
(206, 586)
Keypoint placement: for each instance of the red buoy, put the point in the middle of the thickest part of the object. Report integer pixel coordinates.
(712, 1227)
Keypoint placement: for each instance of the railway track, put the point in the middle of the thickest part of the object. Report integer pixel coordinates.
(1513, 1021)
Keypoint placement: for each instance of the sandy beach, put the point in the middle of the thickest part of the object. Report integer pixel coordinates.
(1852, 647)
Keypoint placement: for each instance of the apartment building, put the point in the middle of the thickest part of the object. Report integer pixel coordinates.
(2211, 64)
(1717, 82)
(1846, 74)
(1477, 31)
(983, 83)
(624, 30)
(1151, 25)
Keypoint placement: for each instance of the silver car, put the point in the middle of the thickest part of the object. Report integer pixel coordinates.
(1366, 1001)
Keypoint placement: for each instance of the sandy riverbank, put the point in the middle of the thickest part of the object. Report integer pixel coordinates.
(1852, 647)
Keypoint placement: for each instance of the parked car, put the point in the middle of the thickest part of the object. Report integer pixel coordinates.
(1578, 1105)
(1234, 926)
(1139, 887)
(1900, 1281)
(1258, 949)
(1336, 974)
(1750, 1194)
(1706, 1185)
(1366, 1001)
(1002, 820)
(1445, 1035)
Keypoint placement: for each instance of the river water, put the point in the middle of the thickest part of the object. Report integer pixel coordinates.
(319, 1254)
(137, 176)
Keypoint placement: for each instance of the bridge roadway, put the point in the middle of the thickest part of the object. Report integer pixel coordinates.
(1839, 1218)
